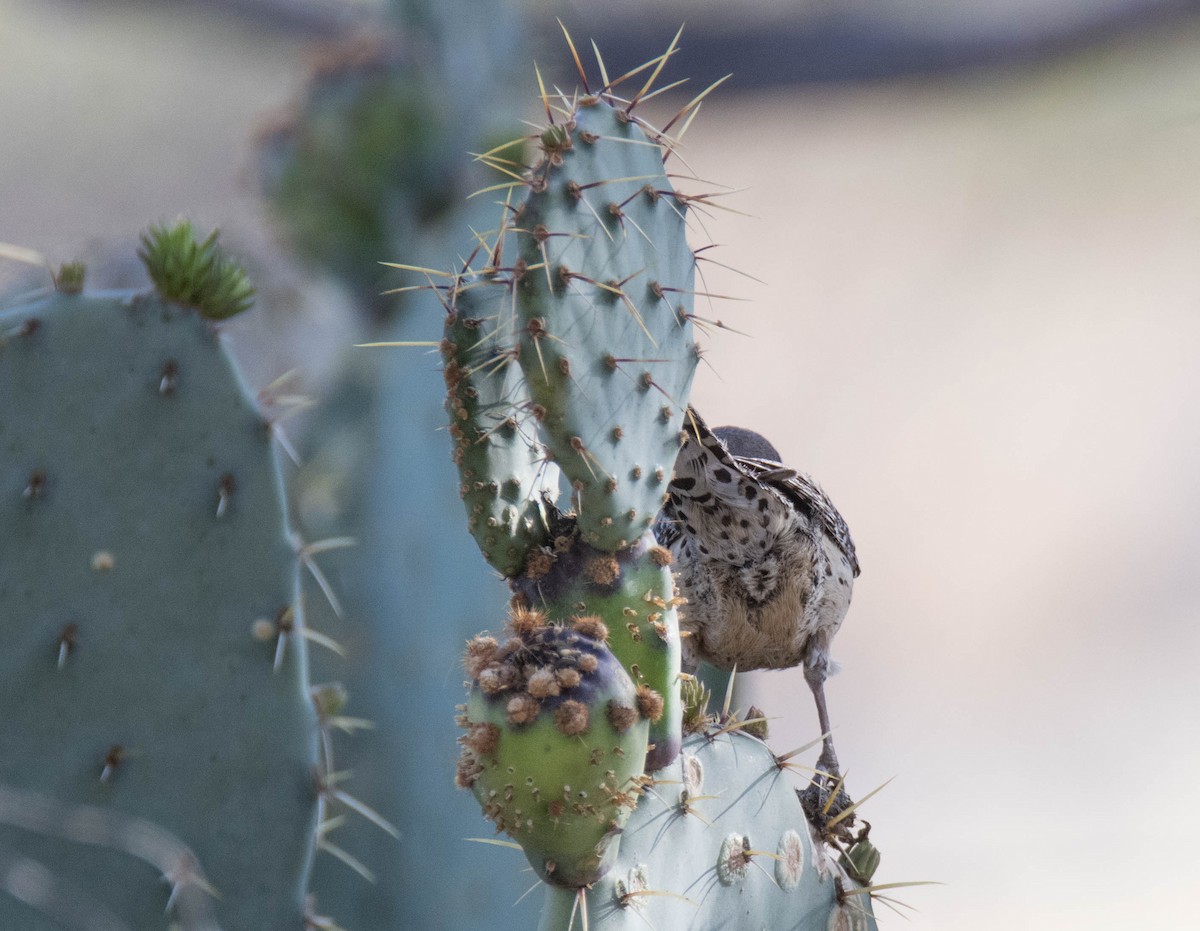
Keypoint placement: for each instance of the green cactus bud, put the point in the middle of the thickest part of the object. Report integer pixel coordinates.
(195, 274)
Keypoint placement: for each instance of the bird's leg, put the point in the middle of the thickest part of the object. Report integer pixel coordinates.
(824, 798)
(827, 762)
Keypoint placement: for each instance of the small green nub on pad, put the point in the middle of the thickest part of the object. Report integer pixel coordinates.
(195, 274)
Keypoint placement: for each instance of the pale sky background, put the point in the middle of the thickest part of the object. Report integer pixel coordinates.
(979, 330)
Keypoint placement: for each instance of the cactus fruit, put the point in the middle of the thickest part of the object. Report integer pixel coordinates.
(145, 544)
(556, 737)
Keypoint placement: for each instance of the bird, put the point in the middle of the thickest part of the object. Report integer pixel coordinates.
(762, 558)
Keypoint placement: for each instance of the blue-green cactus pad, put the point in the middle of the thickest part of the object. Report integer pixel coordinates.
(718, 842)
(605, 297)
(143, 535)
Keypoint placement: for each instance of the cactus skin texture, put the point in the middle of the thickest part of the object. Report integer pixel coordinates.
(719, 842)
(144, 540)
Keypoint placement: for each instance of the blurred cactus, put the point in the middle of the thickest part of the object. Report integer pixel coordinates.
(145, 559)
(374, 153)
(410, 592)
(373, 165)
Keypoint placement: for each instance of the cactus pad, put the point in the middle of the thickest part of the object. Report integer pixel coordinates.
(606, 339)
(719, 841)
(144, 541)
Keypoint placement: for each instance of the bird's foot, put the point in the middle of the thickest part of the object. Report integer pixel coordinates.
(824, 801)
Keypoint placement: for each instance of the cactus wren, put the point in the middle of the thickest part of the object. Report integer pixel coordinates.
(763, 558)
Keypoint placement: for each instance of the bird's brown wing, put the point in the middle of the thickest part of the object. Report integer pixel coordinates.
(806, 496)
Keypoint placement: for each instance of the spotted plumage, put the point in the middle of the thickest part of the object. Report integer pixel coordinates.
(762, 557)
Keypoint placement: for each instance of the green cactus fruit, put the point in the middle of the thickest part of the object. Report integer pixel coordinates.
(505, 480)
(631, 592)
(554, 744)
(145, 543)
(604, 287)
(718, 841)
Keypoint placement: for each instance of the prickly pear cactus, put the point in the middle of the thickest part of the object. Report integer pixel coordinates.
(568, 357)
(569, 347)
(152, 669)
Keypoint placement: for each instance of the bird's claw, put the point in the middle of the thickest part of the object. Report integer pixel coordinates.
(823, 800)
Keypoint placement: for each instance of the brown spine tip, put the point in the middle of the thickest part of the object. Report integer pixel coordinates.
(36, 485)
(497, 678)
(649, 703)
(523, 621)
(168, 379)
(468, 770)
(591, 626)
(621, 717)
(522, 709)
(568, 678)
(226, 486)
(539, 564)
(571, 717)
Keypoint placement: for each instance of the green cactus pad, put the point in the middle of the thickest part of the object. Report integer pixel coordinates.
(605, 300)
(503, 471)
(144, 540)
(720, 841)
(631, 592)
(554, 746)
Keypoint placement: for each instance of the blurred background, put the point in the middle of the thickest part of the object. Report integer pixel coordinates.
(975, 230)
